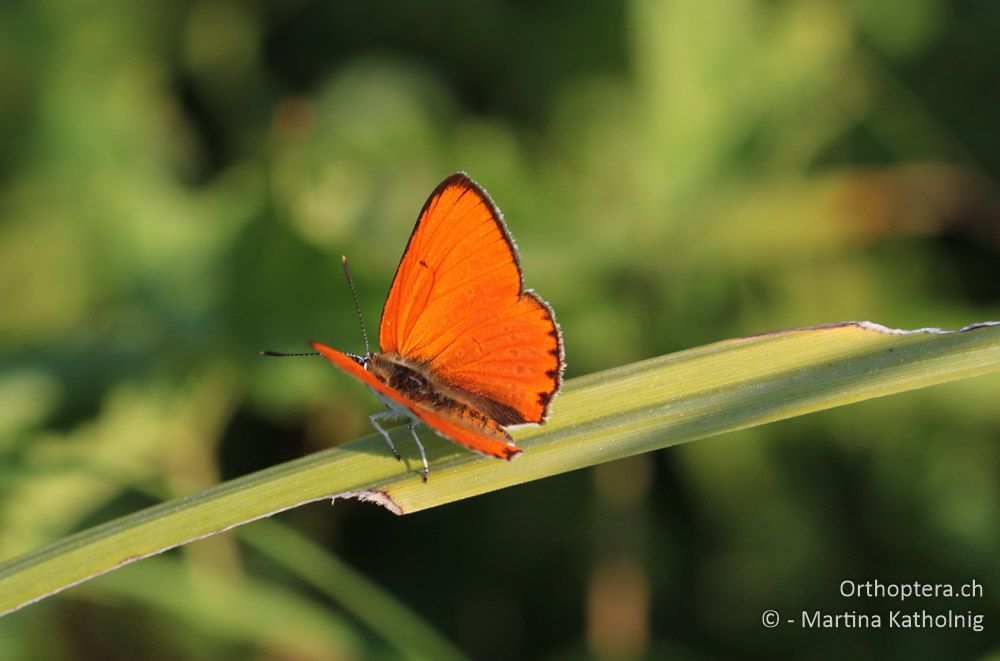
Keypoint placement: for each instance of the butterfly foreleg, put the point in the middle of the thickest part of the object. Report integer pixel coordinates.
(374, 417)
(392, 413)
(420, 446)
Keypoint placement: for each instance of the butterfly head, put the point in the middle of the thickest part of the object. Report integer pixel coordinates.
(365, 360)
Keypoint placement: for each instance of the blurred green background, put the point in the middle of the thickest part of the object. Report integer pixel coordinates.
(178, 180)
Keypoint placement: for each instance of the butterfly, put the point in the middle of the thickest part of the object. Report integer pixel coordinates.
(465, 348)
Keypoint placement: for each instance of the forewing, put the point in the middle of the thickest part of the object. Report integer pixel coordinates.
(488, 439)
(458, 305)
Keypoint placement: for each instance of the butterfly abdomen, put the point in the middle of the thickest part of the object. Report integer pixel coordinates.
(419, 384)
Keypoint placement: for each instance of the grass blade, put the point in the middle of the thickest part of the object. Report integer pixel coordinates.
(624, 411)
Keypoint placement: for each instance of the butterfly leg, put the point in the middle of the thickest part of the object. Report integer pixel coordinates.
(385, 414)
(420, 446)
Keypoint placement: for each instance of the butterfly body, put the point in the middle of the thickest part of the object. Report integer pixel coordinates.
(465, 348)
(424, 388)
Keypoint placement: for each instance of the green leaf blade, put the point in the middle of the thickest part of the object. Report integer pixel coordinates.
(637, 408)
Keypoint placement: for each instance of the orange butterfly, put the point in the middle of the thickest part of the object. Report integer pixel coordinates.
(465, 348)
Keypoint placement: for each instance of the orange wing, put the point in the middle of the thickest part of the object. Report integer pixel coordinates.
(457, 303)
(450, 429)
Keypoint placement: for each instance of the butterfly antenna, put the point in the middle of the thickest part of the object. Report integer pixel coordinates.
(357, 306)
(280, 354)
